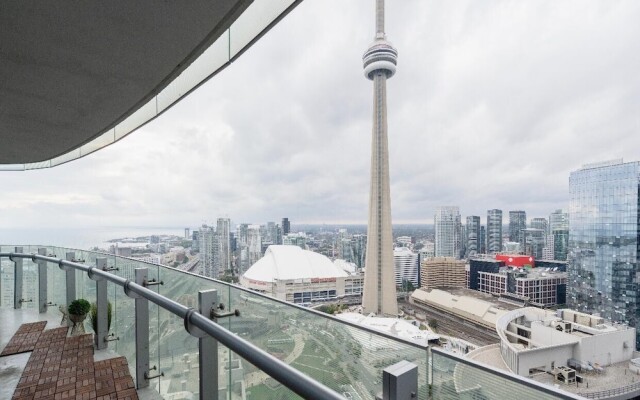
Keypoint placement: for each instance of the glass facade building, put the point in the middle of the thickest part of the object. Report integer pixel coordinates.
(603, 241)
(494, 231)
(473, 236)
(517, 222)
(448, 236)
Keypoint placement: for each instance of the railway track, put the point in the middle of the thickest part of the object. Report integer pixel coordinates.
(451, 325)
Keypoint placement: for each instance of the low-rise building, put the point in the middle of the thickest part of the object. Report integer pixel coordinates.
(583, 353)
(441, 272)
(539, 287)
(475, 309)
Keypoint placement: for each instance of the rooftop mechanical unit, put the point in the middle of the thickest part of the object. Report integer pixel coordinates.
(565, 374)
(563, 326)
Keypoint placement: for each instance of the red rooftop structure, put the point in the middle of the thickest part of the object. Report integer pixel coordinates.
(516, 260)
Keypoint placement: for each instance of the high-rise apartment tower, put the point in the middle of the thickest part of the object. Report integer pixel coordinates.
(494, 231)
(379, 295)
(473, 236)
(447, 226)
(517, 222)
(603, 259)
(286, 226)
(223, 230)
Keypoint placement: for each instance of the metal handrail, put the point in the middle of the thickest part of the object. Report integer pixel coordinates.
(290, 377)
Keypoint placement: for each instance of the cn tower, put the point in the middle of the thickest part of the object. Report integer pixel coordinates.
(379, 295)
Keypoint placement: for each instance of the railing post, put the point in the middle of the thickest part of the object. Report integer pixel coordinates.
(208, 349)
(71, 282)
(400, 381)
(17, 280)
(142, 332)
(42, 282)
(102, 328)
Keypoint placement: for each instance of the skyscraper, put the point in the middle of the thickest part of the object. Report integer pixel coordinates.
(447, 226)
(358, 249)
(286, 226)
(603, 241)
(547, 240)
(559, 219)
(473, 236)
(223, 230)
(517, 222)
(533, 242)
(558, 238)
(254, 244)
(209, 251)
(272, 233)
(379, 295)
(494, 231)
(540, 223)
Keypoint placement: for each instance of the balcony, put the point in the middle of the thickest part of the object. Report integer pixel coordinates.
(271, 350)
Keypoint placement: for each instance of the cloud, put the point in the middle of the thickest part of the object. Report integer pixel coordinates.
(492, 106)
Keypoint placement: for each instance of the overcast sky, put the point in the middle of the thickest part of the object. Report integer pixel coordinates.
(493, 104)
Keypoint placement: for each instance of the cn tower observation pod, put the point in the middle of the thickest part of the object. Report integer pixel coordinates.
(79, 76)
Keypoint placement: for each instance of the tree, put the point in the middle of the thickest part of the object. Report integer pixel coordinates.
(433, 323)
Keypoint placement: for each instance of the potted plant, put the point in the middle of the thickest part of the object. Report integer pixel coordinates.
(78, 310)
(94, 316)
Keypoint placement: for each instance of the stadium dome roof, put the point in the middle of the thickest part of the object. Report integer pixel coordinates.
(291, 262)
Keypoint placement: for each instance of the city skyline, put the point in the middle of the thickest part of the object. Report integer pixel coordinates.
(482, 87)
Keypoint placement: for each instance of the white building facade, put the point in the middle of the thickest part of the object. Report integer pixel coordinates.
(406, 266)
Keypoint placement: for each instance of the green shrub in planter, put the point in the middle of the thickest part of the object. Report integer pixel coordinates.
(94, 316)
(79, 307)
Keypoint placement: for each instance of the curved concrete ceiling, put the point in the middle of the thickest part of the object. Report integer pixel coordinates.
(69, 71)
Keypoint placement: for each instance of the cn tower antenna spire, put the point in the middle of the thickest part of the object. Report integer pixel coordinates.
(379, 17)
(379, 295)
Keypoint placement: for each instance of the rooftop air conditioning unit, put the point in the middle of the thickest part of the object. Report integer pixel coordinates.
(563, 326)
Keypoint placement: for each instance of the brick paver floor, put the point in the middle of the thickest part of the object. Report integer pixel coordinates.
(62, 367)
(24, 339)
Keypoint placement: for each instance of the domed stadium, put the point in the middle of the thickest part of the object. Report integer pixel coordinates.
(301, 276)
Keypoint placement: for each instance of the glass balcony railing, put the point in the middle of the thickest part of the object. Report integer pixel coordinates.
(346, 358)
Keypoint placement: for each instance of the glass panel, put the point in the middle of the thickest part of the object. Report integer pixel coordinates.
(29, 282)
(38, 165)
(123, 325)
(253, 21)
(101, 141)
(56, 286)
(343, 357)
(141, 116)
(453, 379)
(6, 278)
(72, 155)
(12, 167)
(178, 349)
(207, 64)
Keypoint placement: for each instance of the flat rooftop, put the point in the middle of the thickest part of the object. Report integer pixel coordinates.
(494, 300)
(614, 376)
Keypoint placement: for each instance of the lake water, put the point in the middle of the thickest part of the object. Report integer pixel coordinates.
(80, 238)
